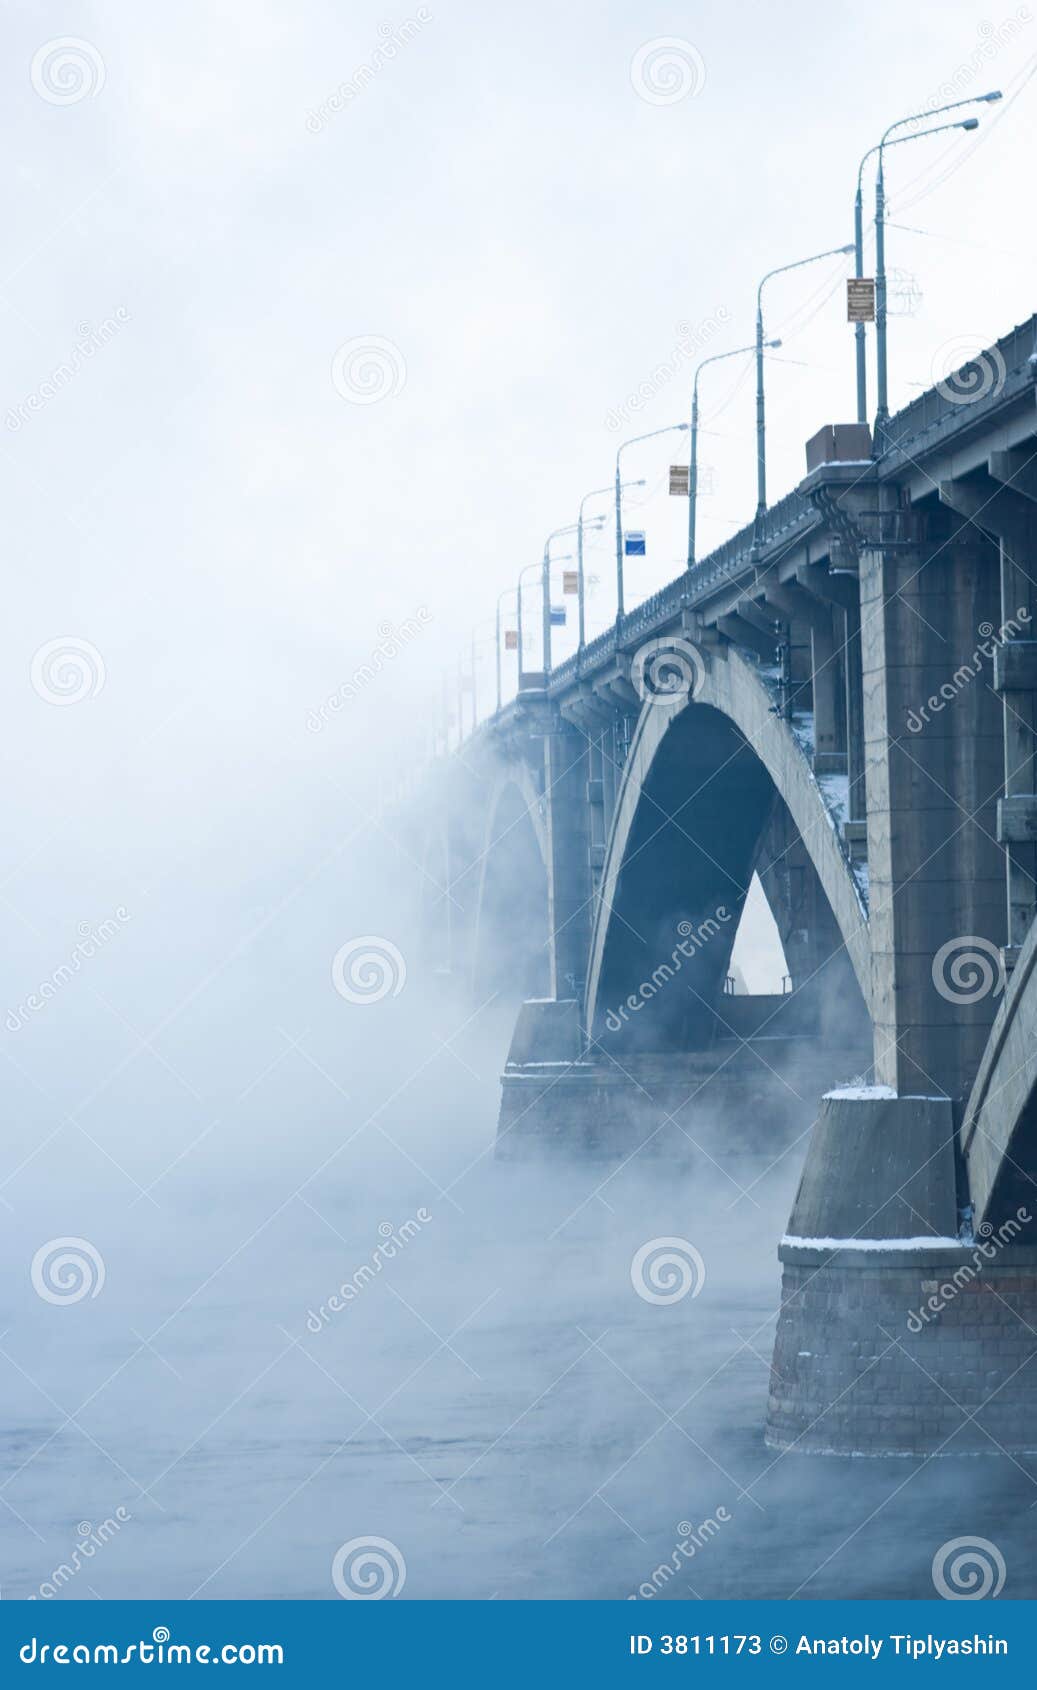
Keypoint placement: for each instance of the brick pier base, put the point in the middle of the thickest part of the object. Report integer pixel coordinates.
(906, 1352)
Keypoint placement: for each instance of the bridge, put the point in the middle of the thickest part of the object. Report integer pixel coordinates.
(841, 700)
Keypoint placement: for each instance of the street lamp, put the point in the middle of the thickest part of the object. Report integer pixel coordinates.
(882, 407)
(500, 599)
(460, 700)
(761, 449)
(858, 245)
(518, 619)
(693, 467)
(599, 522)
(671, 428)
(556, 534)
(545, 587)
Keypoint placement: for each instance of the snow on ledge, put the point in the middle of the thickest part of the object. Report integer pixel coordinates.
(872, 1243)
(886, 1094)
(863, 1093)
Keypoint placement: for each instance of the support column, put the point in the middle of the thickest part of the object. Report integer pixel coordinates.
(814, 616)
(1015, 678)
(933, 755)
(853, 670)
(1009, 517)
(567, 774)
(829, 758)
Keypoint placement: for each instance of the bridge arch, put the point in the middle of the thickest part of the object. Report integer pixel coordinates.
(510, 945)
(999, 1129)
(701, 782)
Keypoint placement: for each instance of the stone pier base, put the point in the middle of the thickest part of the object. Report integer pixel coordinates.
(734, 1100)
(895, 1338)
(923, 1352)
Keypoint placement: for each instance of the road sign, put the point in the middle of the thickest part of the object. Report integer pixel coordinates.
(558, 616)
(570, 581)
(860, 299)
(679, 480)
(511, 639)
(634, 543)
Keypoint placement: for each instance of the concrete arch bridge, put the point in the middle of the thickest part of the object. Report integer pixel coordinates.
(842, 702)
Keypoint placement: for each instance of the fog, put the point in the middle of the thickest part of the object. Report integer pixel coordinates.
(212, 551)
(495, 1401)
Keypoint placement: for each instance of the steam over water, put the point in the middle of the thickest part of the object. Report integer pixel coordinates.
(313, 337)
(494, 1399)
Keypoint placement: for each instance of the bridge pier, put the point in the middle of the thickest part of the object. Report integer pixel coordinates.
(899, 1331)
(933, 775)
(856, 725)
(920, 1353)
(567, 786)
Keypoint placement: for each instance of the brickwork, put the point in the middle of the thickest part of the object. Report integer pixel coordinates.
(926, 1356)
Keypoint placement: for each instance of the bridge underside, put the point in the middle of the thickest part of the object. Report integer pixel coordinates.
(662, 1059)
(860, 731)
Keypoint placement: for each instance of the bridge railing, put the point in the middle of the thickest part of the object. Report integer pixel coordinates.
(791, 515)
(1003, 372)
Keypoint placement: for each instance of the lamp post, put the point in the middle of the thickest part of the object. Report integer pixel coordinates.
(500, 599)
(761, 448)
(518, 593)
(556, 534)
(545, 586)
(671, 428)
(882, 396)
(858, 245)
(693, 466)
(599, 522)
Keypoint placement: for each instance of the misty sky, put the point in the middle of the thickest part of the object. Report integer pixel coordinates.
(529, 233)
(207, 515)
(204, 508)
